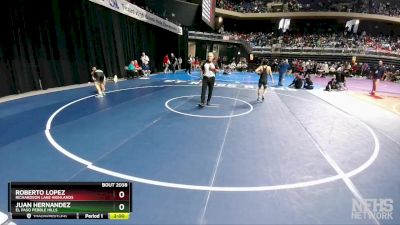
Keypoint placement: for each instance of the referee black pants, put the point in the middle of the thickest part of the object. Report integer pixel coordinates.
(207, 82)
(188, 68)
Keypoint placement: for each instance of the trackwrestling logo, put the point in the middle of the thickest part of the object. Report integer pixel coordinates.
(378, 208)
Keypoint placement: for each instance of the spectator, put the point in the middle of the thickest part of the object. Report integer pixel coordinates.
(331, 85)
(145, 64)
(297, 82)
(275, 65)
(365, 70)
(138, 68)
(308, 84)
(283, 68)
(196, 63)
(189, 65)
(166, 63)
(179, 62)
(131, 71)
(173, 62)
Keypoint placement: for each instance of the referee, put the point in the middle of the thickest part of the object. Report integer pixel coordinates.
(208, 72)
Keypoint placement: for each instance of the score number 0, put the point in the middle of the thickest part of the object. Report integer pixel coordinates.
(121, 195)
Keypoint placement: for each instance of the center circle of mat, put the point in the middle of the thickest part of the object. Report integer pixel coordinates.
(167, 105)
(303, 184)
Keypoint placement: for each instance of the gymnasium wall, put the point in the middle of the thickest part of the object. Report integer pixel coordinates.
(58, 41)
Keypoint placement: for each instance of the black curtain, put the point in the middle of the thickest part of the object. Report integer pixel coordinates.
(55, 42)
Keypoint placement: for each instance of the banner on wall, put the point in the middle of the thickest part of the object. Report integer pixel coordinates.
(208, 12)
(138, 13)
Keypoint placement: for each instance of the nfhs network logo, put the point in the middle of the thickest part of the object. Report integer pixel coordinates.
(380, 208)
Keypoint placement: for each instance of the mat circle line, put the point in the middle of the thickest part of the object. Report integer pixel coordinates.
(207, 116)
(303, 184)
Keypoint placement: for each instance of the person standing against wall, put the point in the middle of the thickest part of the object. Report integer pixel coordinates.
(189, 64)
(179, 63)
(145, 64)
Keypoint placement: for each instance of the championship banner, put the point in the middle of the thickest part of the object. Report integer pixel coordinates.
(208, 12)
(138, 13)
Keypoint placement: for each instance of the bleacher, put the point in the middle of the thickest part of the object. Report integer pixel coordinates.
(317, 54)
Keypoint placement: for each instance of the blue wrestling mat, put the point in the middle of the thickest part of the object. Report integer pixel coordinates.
(300, 157)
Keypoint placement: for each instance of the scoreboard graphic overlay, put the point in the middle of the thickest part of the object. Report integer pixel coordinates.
(70, 200)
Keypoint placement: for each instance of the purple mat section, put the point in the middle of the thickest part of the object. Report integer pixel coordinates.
(364, 85)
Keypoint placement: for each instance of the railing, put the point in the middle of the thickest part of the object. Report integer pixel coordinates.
(247, 46)
(303, 50)
(218, 37)
(196, 34)
(327, 50)
(336, 8)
